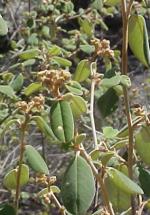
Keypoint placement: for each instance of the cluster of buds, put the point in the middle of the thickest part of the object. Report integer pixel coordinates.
(138, 110)
(47, 198)
(37, 104)
(54, 80)
(102, 48)
(46, 180)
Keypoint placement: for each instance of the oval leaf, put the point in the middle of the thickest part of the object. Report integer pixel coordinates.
(144, 178)
(82, 71)
(62, 122)
(62, 61)
(10, 179)
(78, 105)
(78, 187)
(3, 27)
(6, 209)
(123, 182)
(54, 189)
(29, 54)
(35, 160)
(142, 144)
(32, 88)
(138, 39)
(44, 127)
(119, 199)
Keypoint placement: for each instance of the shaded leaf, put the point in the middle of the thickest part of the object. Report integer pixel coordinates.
(35, 160)
(110, 132)
(44, 127)
(6, 209)
(144, 178)
(107, 103)
(123, 182)
(7, 91)
(78, 187)
(142, 143)
(17, 83)
(138, 39)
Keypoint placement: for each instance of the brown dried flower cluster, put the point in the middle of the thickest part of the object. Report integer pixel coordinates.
(37, 103)
(102, 48)
(54, 80)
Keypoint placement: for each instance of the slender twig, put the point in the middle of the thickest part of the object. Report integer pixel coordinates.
(22, 147)
(93, 82)
(99, 180)
(124, 70)
(60, 207)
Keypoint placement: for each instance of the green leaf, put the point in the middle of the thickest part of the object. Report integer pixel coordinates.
(45, 31)
(86, 27)
(110, 82)
(123, 182)
(82, 71)
(29, 54)
(74, 87)
(35, 160)
(97, 4)
(3, 27)
(62, 122)
(17, 83)
(44, 191)
(54, 50)
(78, 106)
(104, 157)
(112, 2)
(10, 179)
(138, 39)
(88, 49)
(44, 127)
(78, 187)
(32, 88)
(125, 81)
(6, 209)
(7, 91)
(142, 143)
(110, 132)
(62, 61)
(107, 103)
(144, 178)
(29, 62)
(120, 200)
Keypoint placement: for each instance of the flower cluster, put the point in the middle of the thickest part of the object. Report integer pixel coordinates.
(102, 48)
(37, 104)
(54, 80)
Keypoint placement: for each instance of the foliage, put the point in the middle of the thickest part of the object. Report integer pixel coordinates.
(54, 65)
